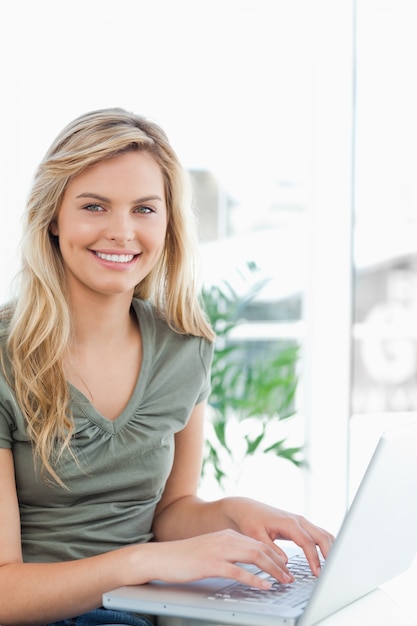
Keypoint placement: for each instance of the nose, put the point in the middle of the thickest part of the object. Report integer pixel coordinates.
(120, 228)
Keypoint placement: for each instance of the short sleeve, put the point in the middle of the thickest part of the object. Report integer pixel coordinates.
(206, 353)
(7, 422)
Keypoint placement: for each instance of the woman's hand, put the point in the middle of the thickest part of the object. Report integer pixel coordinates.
(266, 524)
(216, 554)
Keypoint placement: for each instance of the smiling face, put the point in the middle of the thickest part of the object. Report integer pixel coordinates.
(112, 224)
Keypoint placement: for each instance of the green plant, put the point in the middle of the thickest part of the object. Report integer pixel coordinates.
(252, 393)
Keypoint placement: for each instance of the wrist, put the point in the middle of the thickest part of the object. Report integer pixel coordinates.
(235, 511)
(133, 565)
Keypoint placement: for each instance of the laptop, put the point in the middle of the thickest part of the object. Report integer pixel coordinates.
(376, 542)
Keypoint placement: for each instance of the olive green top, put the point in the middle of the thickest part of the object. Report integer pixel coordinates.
(123, 464)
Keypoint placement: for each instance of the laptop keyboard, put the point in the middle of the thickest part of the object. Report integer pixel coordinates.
(294, 595)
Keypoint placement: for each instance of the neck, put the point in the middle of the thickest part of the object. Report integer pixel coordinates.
(102, 316)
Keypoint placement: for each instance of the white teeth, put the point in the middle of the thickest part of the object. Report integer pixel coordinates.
(116, 258)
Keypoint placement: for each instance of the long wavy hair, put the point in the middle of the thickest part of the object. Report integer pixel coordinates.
(40, 321)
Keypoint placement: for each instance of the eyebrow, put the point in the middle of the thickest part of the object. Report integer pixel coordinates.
(97, 196)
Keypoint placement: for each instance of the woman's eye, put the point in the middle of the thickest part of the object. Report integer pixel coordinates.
(144, 209)
(94, 208)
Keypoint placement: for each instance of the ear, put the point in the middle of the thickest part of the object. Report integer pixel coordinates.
(53, 228)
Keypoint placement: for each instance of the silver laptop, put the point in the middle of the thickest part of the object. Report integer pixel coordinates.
(377, 541)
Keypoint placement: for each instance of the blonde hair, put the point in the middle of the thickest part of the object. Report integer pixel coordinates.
(40, 325)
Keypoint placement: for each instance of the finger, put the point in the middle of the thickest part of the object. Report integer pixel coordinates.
(312, 539)
(266, 555)
(266, 538)
(262, 580)
(301, 537)
(271, 560)
(306, 542)
(310, 550)
(325, 543)
(323, 539)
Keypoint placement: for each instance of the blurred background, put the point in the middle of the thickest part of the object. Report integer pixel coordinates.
(296, 120)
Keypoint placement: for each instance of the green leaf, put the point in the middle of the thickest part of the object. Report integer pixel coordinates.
(264, 389)
(253, 444)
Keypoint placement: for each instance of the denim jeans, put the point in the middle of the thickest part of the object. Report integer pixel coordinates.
(104, 617)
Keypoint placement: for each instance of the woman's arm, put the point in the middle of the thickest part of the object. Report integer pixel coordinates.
(182, 514)
(39, 593)
(196, 540)
(33, 594)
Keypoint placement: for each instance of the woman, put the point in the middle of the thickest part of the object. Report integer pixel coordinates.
(105, 369)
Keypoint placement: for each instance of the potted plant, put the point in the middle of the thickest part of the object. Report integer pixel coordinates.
(248, 396)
